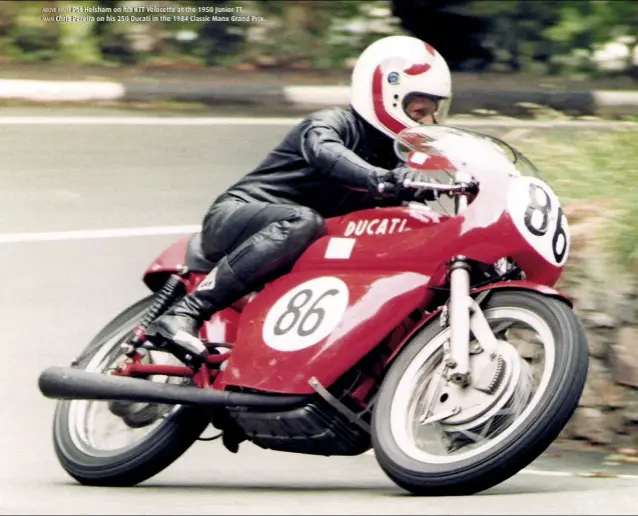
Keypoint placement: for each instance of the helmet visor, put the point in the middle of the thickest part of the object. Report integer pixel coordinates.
(426, 109)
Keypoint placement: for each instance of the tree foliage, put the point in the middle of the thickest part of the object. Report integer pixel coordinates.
(545, 36)
(518, 35)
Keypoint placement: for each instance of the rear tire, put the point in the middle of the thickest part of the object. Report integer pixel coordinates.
(142, 460)
(524, 444)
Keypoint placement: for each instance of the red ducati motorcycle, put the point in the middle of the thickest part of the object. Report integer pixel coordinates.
(432, 336)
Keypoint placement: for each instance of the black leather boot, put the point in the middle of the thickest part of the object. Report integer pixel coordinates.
(180, 324)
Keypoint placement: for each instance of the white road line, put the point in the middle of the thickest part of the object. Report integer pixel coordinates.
(213, 121)
(276, 121)
(96, 234)
(548, 473)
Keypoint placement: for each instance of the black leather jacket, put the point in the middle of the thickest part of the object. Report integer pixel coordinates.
(324, 163)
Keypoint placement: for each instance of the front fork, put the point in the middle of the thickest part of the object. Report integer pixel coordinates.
(462, 315)
(457, 351)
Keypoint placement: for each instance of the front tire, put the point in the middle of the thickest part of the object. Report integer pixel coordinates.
(133, 463)
(513, 448)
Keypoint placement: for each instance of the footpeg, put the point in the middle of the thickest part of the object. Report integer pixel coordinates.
(184, 346)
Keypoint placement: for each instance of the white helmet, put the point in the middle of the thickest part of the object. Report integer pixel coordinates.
(389, 72)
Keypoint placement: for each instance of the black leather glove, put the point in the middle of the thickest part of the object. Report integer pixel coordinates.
(383, 184)
(392, 185)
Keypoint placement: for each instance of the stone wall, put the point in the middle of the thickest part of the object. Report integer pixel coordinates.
(607, 304)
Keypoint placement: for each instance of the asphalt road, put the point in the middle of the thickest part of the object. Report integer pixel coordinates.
(56, 295)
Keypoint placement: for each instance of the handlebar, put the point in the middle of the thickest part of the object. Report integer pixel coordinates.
(463, 188)
(455, 188)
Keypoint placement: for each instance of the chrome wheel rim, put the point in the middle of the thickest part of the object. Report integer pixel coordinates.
(420, 442)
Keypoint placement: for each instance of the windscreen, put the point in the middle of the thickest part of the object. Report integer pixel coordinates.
(445, 149)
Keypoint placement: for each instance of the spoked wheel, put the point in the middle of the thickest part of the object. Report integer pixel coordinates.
(122, 443)
(432, 437)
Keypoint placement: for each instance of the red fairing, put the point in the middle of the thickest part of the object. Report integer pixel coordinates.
(358, 285)
(377, 304)
(387, 259)
(422, 240)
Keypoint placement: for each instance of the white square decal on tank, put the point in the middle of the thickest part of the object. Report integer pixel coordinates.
(339, 248)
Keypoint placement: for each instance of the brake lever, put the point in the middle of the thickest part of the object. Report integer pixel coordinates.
(453, 189)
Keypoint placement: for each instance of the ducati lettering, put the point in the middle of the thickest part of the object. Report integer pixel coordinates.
(393, 224)
(383, 228)
(377, 227)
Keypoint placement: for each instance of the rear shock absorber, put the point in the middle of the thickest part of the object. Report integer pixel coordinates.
(164, 298)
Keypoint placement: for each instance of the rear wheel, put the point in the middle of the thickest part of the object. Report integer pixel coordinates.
(149, 437)
(432, 437)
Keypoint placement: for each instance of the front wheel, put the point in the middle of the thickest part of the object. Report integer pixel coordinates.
(145, 438)
(432, 437)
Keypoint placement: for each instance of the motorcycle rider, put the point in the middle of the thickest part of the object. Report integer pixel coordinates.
(331, 164)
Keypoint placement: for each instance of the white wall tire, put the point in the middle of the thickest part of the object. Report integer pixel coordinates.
(535, 429)
(135, 463)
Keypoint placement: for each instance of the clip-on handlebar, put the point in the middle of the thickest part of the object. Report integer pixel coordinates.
(460, 189)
